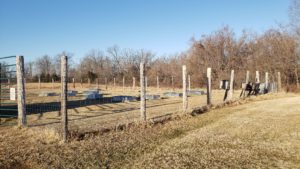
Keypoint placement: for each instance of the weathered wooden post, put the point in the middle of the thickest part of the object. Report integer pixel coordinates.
(247, 77)
(230, 92)
(279, 82)
(106, 83)
(133, 83)
(81, 83)
(52, 83)
(97, 81)
(39, 82)
(21, 91)
(157, 82)
(74, 83)
(184, 89)
(189, 82)
(146, 83)
(257, 77)
(114, 82)
(266, 80)
(173, 83)
(208, 86)
(123, 83)
(64, 89)
(143, 92)
(89, 82)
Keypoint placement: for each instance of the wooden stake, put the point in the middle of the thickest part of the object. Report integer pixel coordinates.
(189, 82)
(266, 80)
(52, 83)
(247, 77)
(173, 83)
(184, 89)
(209, 86)
(74, 83)
(230, 92)
(39, 82)
(279, 82)
(157, 82)
(64, 89)
(21, 91)
(143, 92)
(133, 83)
(123, 83)
(257, 77)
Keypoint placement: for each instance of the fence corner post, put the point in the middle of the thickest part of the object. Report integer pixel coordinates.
(208, 86)
(143, 92)
(22, 121)
(64, 89)
(184, 88)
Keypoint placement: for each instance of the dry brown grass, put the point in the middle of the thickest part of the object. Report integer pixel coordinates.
(261, 134)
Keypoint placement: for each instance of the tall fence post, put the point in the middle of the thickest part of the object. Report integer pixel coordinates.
(189, 82)
(81, 83)
(266, 80)
(257, 77)
(230, 93)
(114, 82)
(146, 83)
(279, 82)
(133, 83)
(73, 82)
(184, 89)
(105, 83)
(172, 83)
(123, 83)
(21, 91)
(97, 83)
(208, 86)
(64, 89)
(52, 83)
(157, 82)
(247, 77)
(143, 92)
(89, 82)
(39, 82)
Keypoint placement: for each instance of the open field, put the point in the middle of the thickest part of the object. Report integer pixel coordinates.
(264, 133)
(87, 115)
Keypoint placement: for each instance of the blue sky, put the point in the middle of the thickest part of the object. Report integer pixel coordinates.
(37, 27)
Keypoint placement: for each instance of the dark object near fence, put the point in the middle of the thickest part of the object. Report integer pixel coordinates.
(172, 94)
(72, 93)
(47, 94)
(224, 84)
(92, 94)
(152, 97)
(124, 98)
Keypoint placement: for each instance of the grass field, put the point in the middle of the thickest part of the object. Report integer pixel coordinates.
(263, 132)
(89, 117)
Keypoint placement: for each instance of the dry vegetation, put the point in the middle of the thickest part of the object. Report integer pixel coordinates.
(263, 134)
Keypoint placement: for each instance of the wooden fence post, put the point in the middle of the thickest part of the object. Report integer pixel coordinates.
(266, 80)
(279, 82)
(184, 89)
(143, 92)
(81, 83)
(74, 83)
(114, 82)
(21, 91)
(97, 81)
(172, 83)
(64, 89)
(157, 82)
(209, 86)
(52, 83)
(39, 82)
(133, 83)
(123, 83)
(105, 83)
(230, 92)
(146, 83)
(89, 82)
(257, 77)
(189, 82)
(247, 77)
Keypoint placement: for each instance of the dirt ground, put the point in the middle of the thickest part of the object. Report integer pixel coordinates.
(260, 132)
